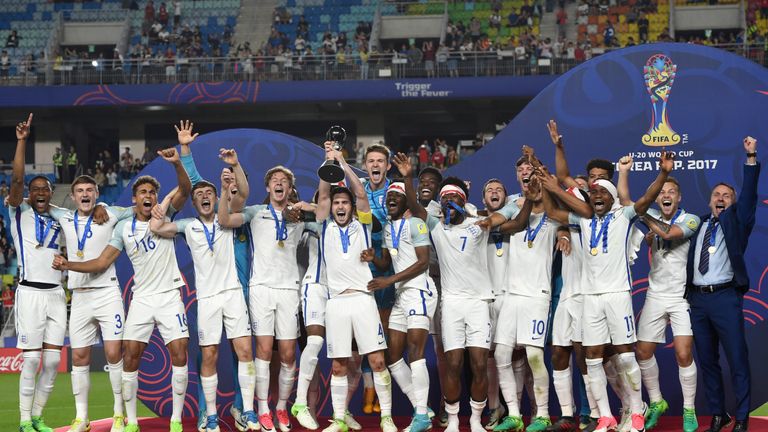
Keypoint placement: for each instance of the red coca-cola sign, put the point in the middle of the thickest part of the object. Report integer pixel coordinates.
(11, 360)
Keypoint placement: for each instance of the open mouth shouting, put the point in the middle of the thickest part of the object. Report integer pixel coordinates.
(666, 205)
(341, 215)
(147, 204)
(279, 192)
(376, 175)
(599, 205)
(206, 205)
(426, 193)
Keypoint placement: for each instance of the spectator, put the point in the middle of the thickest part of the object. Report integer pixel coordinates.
(12, 41)
(162, 15)
(414, 55)
(176, 13)
(474, 29)
(149, 13)
(227, 36)
(642, 27)
(562, 21)
(126, 163)
(608, 34)
(101, 179)
(5, 65)
(111, 180)
(512, 18)
(438, 159)
(3, 194)
(147, 157)
(8, 295)
(428, 49)
(423, 154)
(413, 157)
(494, 21)
(452, 158)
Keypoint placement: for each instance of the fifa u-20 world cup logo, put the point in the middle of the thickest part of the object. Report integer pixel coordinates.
(659, 73)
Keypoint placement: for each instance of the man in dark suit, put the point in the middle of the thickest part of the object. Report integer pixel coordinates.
(717, 281)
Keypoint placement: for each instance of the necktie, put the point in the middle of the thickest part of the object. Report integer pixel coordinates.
(704, 255)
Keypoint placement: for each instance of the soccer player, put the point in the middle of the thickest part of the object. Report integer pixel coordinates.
(376, 163)
(665, 302)
(406, 246)
(273, 295)
(219, 294)
(608, 316)
(41, 305)
(242, 241)
(466, 294)
(97, 302)
(351, 309)
(156, 297)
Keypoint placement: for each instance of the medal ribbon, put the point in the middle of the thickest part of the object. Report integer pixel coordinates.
(396, 238)
(498, 239)
(595, 235)
(667, 244)
(344, 239)
(42, 228)
(712, 240)
(447, 208)
(82, 239)
(209, 235)
(281, 231)
(531, 235)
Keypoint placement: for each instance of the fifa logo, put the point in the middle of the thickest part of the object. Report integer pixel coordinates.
(659, 73)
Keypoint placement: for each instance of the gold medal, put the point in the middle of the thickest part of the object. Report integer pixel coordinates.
(499, 252)
(593, 251)
(530, 244)
(393, 252)
(242, 237)
(38, 246)
(711, 250)
(280, 244)
(212, 254)
(80, 254)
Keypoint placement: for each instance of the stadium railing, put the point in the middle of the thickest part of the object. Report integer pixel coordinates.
(159, 70)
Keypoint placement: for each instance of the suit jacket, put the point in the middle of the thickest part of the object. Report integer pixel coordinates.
(736, 223)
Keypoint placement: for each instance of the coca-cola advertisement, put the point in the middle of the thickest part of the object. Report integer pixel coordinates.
(11, 360)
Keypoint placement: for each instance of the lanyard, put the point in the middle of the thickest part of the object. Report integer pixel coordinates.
(281, 231)
(531, 235)
(82, 239)
(396, 238)
(498, 240)
(133, 232)
(447, 212)
(209, 235)
(602, 233)
(713, 239)
(42, 228)
(344, 239)
(371, 198)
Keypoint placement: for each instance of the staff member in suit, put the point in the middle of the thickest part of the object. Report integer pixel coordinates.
(717, 281)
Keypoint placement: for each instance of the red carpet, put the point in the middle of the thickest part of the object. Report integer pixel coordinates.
(371, 424)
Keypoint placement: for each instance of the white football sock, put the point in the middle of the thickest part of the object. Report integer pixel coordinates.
(564, 390)
(403, 377)
(44, 387)
(81, 384)
(116, 380)
(285, 380)
(179, 380)
(649, 370)
(339, 396)
(598, 384)
(382, 381)
(307, 366)
(27, 383)
(130, 388)
(420, 380)
(262, 385)
(246, 374)
(688, 384)
(507, 378)
(210, 384)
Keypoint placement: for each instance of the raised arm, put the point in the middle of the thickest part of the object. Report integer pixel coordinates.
(226, 218)
(355, 185)
(158, 224)
(16, 194)
(403, 165)
(553, 210)
(185, 136)
(666, 165)
(98, 265)
(324, 192)
(625, 198)
(551, 185)
(237, 201)
(561, 165)
(185, 186)
(746, 204)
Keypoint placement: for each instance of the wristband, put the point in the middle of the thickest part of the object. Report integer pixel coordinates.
(753, 154)
(565, 238)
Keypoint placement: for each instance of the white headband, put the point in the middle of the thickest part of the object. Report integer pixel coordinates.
(398, 187)
(449, 188)
(575, 192)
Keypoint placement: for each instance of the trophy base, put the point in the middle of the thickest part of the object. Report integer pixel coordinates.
(331, 172)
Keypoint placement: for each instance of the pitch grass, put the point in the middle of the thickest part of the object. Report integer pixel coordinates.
(60, 409)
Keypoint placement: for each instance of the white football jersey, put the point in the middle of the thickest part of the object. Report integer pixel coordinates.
(153, 257)
(669, 259)
(498, 257)
(572, 270)
(274, 261)
(410, 233)
(529, 270)
(344, 269)
(607, 265)
(461, 250)
(93, 241)
(215, 269)
(37, 239)
(310, 239)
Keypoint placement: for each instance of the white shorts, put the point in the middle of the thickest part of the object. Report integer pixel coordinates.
(353, 316)
(93, 310)
(274, 312)
(413, 309)
(523, 320)
(652, 325)
(494, 309)
(314, 297)
(228, 308)
(608, 319)
(41, 317)
(566, 325)
(166, 310)
(465, 323)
